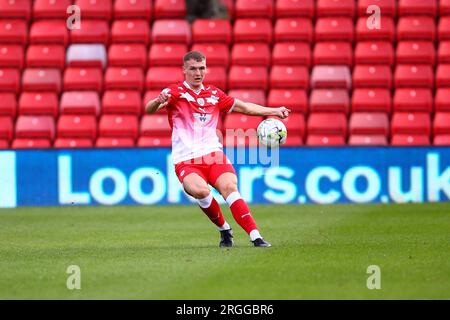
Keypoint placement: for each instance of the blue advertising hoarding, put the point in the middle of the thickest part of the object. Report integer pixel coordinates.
(301, 175)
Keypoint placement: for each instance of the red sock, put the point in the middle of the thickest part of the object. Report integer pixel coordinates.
(212, 211)
(241, 212)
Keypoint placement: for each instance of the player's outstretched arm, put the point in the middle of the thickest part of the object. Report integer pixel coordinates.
(254, 109)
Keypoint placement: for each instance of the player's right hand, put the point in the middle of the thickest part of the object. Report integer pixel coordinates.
(164, 97)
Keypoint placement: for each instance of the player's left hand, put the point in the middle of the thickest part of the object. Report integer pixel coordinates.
(282, 112)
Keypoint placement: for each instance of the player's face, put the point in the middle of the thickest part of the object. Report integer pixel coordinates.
(194, 72)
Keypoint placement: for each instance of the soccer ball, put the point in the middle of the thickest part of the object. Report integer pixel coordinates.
(271, 132)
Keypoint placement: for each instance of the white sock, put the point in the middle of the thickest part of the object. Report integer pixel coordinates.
(205, 202)
(232, 197)
(254, 234)
(225, 226)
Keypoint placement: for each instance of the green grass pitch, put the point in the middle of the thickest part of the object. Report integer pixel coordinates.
(153, 252)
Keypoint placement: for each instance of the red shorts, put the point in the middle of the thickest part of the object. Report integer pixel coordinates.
(209, 167)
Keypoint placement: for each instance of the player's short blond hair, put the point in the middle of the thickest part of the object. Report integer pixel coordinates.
(194, 55)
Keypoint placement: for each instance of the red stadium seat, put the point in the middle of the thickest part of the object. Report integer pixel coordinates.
(211, 30)
(410, 140)
(385, 32)
(170, 54)
(294, 8)
(77, 126)
(293, 141)
(39, 103)
(420, 100)
(296, 100)
(217, 53)
(372, 76)
(122, 101)
(443, 76)
(444, 7)
(49, 32)
(155, 125)
(411, 123)
(133, 9)
(13, 31)
(387, 7)
(371, 100)
(442, 140)
(367, 140)
(160, 77)
(248, 54)
(254, 96)
(4, 144)
(171, 31)
(291, 53)
(11, 56)
(229, 5)
(240, 130)
(92, 31)
(69, 143)
(94, 9)
(412, 76)
(154, 142)
(334, 29)
(253, 30)
(41, 79)
(30, 143)
(9, 80)
(441, 124)
(86, 55)
(8, 105)
(416, 28)
(42, 127)
(253, 9)
(329, 100)
(362, 123)
(115, 126)
(50, 9)
(83, 79)
(442, 99)
(334, 8)
(333, 53)
(46, 56)
(17, 9)
(6, 128)
(374, 52)
(217, 76)
(130, 31)
(287, 77)
(443, 28)
(417, 7)
(164, 9)
(293, 30)
(444, 52)
(80, 103)
(127, 55)
(108, 142)
(327, 123)
(324, 140)
(331, 77)
(414, 52)
(124, 78)
(250, 77)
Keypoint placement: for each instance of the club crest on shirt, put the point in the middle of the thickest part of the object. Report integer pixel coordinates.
(201, 101)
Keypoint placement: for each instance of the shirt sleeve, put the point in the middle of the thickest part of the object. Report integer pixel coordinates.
(170, 90)
(226, 103)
